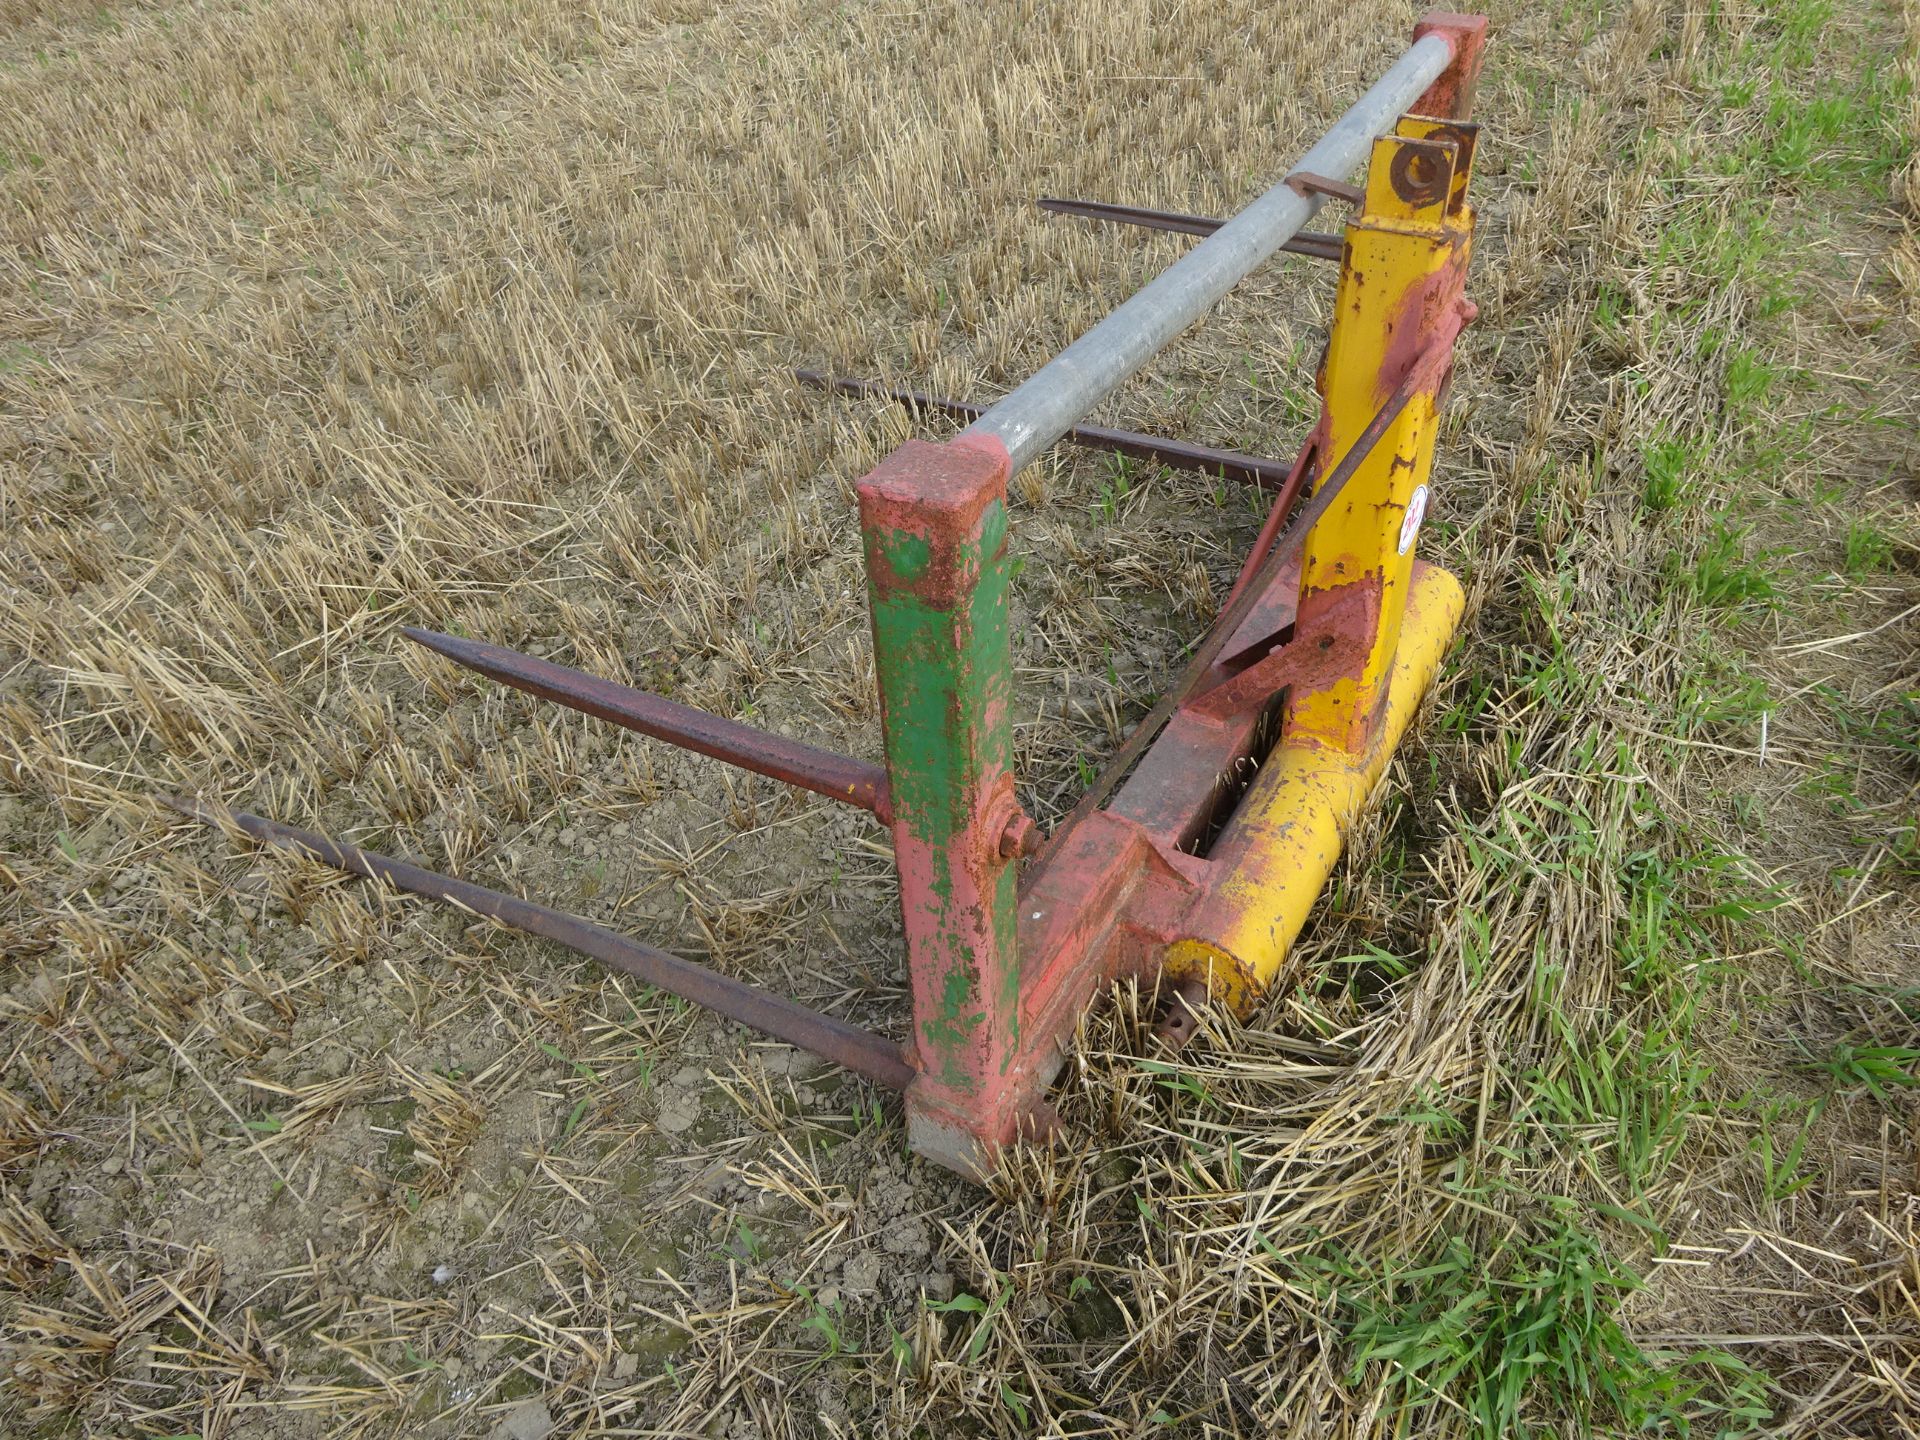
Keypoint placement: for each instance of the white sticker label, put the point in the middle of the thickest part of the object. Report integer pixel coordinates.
(1416, 512)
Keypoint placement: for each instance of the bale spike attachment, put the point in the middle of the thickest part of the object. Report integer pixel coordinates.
(1193, 860)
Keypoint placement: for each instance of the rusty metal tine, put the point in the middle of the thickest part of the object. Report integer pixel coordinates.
(1132, 215)
(920, 400)
(1175, 454)
(861, 1051)
(1419, 373)
(838, 777)
(1318, 244)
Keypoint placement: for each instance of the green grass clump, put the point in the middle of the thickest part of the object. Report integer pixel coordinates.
(1869, 549)
(1874, 1068)
(1672, 472)
(1532, 1329)
(1724, 575)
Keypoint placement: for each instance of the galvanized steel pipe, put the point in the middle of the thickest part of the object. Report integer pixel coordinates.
(1039, 412)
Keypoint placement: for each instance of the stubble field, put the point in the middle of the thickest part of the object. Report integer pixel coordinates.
(1588, 1106)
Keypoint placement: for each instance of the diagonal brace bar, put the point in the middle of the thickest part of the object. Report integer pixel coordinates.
(1425, 370)
(838, 777)
(861, 1051)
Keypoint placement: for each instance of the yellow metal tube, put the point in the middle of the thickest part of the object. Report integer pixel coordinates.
(1284, 838)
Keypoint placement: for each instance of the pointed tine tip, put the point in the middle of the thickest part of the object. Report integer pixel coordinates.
(496, 662)
(462, 652)
(190, 808)
(219, 816)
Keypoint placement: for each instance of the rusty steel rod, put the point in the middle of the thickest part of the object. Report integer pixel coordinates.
(1316, 243)
(861, 1051)
(1284, 500)
(1040, 411)
(838, 777)
(1174, 454)
(1422, 372)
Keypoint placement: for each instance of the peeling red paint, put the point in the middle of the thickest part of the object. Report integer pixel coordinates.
(1451, 96)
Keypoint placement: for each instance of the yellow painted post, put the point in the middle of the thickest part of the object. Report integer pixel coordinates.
(1402, 268)
(1400, 295)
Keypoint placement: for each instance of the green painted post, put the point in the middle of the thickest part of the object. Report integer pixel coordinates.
(934, 519)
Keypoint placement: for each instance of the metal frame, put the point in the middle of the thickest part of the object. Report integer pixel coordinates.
(1036, 414)
(1197, 854)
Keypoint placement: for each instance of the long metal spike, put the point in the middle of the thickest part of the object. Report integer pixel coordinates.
(861, 1051)
(1175, 454)
(839, 777)
(1318, 244)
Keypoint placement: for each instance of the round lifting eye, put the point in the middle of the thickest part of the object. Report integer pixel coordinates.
(1415, 175)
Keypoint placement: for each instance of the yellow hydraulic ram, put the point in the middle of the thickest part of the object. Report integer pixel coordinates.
(1398, 308)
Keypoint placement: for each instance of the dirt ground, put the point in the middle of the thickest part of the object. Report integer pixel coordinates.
(1588, 1104)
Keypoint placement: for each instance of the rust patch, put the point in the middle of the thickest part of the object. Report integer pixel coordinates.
(1451, 96)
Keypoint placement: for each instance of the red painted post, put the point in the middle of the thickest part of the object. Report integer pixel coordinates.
(1451, 96)
(934, 520)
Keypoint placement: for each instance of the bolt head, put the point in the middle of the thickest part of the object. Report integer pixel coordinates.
(1020, 837)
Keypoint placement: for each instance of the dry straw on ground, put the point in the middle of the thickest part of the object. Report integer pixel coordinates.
(321, 317)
